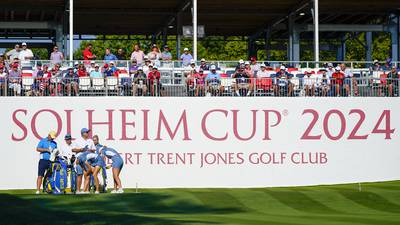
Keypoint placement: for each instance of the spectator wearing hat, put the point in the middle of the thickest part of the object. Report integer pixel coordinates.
(200, 82)
(43, 81)
(166, 54)
(96, 73)
(337, 81)
(45, 147)
(3, 79)
(14, 80)
(330, 70)
(37, 75)
(191, 82)
(323, 83)
(25, 55)
(283, 83)
(147, 65)
(56, 56)
(137, 54)
(139, 83)
(263, 72)
(13, 53)
(393, 82)
(91, 67)
(155, 55)
(56, 80)
(239, 65)
(88, 54)
(82, 71)
(113, 68)
(108, 56)
(154, 81)
(203, 65)
(71, 81)
(248, 69)
(133, 68)
(186, 57)
(242, 78)
(213, 82)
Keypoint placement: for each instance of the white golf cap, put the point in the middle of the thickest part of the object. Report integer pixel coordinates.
(151, 65)
(338, 68)
(263, 65)
(203, 60)
(241, 61)
(145, 57)
(185, 49)
(140, 68)
(92, 62)
(213, 67)
(76, 63)
(24, 43)
(247, 63)
(330, 65)
(97, 65)
(155, 67)
(192, 61)
(112, 62)
(283, 68)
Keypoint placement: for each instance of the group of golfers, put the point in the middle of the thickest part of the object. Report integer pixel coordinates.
(90, 157)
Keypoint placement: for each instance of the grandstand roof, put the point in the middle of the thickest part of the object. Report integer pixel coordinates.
(220, 17)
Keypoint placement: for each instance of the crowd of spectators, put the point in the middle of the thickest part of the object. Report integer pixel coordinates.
(141, 75)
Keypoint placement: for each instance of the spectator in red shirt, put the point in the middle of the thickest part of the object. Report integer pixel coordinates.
(200, 82)
(154, 81)
(82, 71)
(88, 55)
(337, 81)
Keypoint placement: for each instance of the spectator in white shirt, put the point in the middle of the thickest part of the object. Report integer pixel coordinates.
(66, 148)
(56, 56)
(13, 53)
(309, 84)
(263, 73)
(25, 55)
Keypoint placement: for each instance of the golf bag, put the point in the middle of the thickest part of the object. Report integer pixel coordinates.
(71, 177)
(102, 175)
(55, 181)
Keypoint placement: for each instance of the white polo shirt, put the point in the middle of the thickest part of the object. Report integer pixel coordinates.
(82, 143)
(66, 150)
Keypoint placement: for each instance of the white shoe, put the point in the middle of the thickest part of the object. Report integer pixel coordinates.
(120, 191)
(114, 192)
(37, 192)
(86, 192)
(79, 192)
(96, 192)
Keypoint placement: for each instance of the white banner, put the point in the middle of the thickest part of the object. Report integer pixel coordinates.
(213, 142)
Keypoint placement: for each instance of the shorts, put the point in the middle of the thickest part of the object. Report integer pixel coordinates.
(99, 162)
(81, 166)
(43, 166)
(347, 81)
(117, 162)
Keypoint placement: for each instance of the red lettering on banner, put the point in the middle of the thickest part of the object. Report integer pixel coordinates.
(125, 123)
(387, 130)
(267, 122)
(145, 125)
(235, 126)
(68, 115)
(353, 135)
(204, 126)
(306, 135)
(20, 125)
(33, 122)
(109, 122)
(163, 121)
(342, 124)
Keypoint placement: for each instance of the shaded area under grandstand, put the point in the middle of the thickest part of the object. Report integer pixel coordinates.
(376, 203)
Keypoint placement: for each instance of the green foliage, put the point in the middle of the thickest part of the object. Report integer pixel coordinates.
(235, 48)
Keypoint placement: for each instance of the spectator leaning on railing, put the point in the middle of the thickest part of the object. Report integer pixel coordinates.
(139, 82)
(56, 56)
(25, 55)
(203, 65)
(324, 82)
(3, 78)
(13, 53)
(137, 54)
(108, 56)
(186, 57)
(338, 81)
(155, 55)
(393, 81)
(166, 54)
(242, 78)
(88, 55)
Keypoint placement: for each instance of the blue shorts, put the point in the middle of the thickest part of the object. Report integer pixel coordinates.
(98, 162)
(43, 166)
(79, 170)
(117, 162)
(347, 81)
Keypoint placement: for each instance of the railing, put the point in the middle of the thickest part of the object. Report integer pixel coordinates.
(201, 86)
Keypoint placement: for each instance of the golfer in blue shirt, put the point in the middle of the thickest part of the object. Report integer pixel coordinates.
(45, 147)
(117, 164)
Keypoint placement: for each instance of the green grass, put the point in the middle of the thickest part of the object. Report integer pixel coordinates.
(375, 204)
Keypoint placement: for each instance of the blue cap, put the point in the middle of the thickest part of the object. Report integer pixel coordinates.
(84, 130)
(68, 137)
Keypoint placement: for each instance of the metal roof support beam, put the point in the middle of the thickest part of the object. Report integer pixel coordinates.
(368, 43)
(341, 50)
(294, 41)
(185, 4)
(394, 32)
(343, 27)
(27, 25)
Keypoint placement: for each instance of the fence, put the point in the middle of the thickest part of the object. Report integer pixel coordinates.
(198, 87)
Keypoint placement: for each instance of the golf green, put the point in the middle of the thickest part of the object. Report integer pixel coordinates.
(372, 204)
